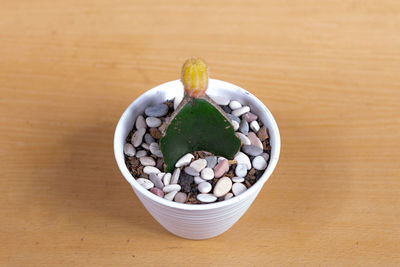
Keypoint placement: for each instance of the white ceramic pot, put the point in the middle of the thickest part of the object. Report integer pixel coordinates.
(195, 221)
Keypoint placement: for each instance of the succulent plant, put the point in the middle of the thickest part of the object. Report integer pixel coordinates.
(198, 123)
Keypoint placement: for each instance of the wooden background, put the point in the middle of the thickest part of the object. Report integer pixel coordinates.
(328, 70)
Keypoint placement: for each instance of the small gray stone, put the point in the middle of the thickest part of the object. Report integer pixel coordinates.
(141, 153)
(233, 118)
(244, 127)
(206, 198)
(140, 122)
(148, 139)
(259, 163)
(129, 150)
(156, 110)
(204, 187)
(137, 137)
(147, 161)
(252, 150)
(211, 161)
(156, 180)
(175, 176)
(227, 109)
(241, 170)
(153, 122)
(238, 188)
(180, 197)
(191, 171)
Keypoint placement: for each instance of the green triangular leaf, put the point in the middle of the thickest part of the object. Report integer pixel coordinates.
(198, 125)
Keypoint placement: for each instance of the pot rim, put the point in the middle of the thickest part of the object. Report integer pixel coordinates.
(273, 132)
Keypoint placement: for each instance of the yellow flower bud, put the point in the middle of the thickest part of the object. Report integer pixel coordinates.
(195, 77)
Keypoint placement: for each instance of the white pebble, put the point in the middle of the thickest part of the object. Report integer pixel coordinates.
(240, 111)
(234, 104)
(222, 187)
(167, 178)
(207, 174)
(129, 150)
(171, 187)
(243, 139)
(228, 196)
(199, 164)
(265, 156)
(198, 180)
(150, 169)
(146, 146)
(241, 170)
(220, 100)
(238, 188)
(137, 137)
(153, 122)
(141, 153)
(147, 161)
(242, 158)
(161, 174)
(155, 149)
(206, 198)
(254, 126)
(177, 101)
(235, 125)
(204, 187)
(140, 122)
(170, 195)
(237, 179)
(220, 159)
(175, 176)
(185, 160)
(146, 183)
(259, 163)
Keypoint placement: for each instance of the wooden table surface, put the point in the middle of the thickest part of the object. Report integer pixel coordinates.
(328, 70)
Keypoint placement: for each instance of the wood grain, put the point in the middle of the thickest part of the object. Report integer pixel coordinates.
(328, 71)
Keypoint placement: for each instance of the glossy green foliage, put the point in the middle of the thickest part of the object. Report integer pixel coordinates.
(198, 126)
